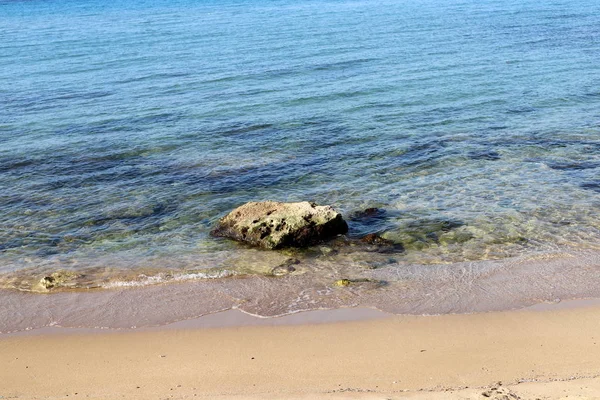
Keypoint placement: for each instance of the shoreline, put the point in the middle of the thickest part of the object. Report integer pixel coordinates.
(488, 286)
(554, 347)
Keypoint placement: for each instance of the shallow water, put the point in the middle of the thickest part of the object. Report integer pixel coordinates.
(419, 289)
(127, 129)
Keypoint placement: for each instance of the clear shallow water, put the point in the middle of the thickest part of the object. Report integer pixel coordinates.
(127, 129)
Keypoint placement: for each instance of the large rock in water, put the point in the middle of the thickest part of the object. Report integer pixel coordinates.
(274, 225)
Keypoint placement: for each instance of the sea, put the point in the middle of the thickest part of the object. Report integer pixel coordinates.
(128, 128)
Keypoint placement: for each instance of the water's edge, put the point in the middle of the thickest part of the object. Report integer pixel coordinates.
(499, 285)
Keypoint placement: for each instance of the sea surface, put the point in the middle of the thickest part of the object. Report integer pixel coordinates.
(128, 128)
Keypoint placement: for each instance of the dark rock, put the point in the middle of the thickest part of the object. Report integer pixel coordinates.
(372, 220)
(47, 282)
(285, 268)
(372, 213)
(378, 244)
(373, 238)
(274, 225)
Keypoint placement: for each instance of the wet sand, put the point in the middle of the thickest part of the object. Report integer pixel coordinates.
(546, 353)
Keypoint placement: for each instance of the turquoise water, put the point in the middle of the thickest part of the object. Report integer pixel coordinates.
(128, 128)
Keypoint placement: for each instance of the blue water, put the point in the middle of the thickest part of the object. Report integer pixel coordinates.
(128, 128)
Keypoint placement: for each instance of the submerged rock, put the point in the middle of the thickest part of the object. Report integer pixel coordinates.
(369, 213)
(57, 279)
(373, 238)
(275, 225)
(369, 216)
(371, 220)
(286, 268)
(47, 282)
(381, 245)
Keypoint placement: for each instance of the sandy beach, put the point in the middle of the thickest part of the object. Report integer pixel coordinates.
(544, 352)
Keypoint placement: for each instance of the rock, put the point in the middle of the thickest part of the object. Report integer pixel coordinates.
(343, 282)
(369, 215)
(286, 268)
(57, 279)
(373, 238)
(365, 283)
(372, 220)
(381, 245)
(325, 250)
(274, 225)
(283, 270)
(47, 282)
(499, 393)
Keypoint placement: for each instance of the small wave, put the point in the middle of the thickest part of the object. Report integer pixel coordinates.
(162, 278)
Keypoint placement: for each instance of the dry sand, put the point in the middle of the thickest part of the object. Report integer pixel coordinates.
(547, 354)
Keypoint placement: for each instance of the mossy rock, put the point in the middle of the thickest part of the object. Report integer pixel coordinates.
(362, 281)
(343, 282)
(57, 279)
(274, 225)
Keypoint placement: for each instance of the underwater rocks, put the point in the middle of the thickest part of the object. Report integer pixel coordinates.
(285, 268)
(373, 238)
(378, 244)
(55, 280)
(371, 220)
(369, 213)
(275, 225)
